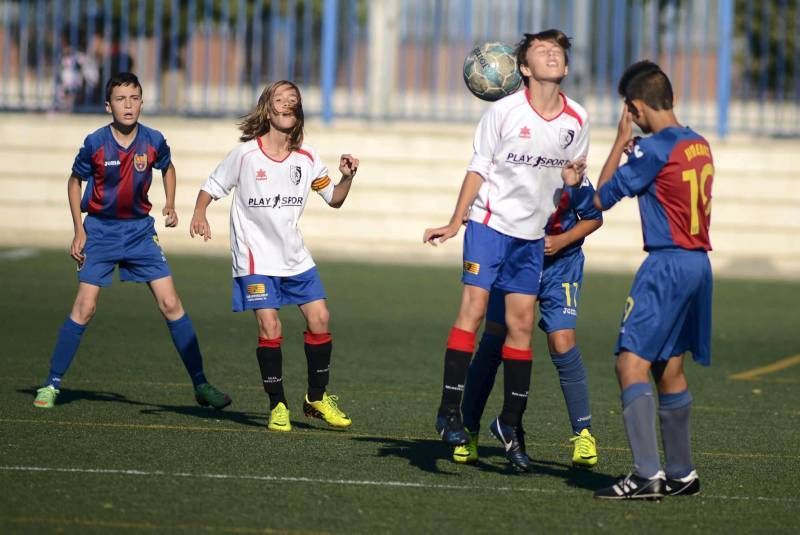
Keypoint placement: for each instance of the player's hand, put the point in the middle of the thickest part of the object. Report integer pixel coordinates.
(625, 126)
(171, 216)
(572, 172)
(434, 236)
(553, 244)
(628, 149)
(200, 227)
(348, 165)
(76, 249)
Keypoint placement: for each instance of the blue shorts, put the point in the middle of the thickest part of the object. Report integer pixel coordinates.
(668, 311)
(253, 292)
(558, 295)
(130, 243)
(494, 260)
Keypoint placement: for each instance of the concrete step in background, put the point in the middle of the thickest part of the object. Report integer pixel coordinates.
(408, 180)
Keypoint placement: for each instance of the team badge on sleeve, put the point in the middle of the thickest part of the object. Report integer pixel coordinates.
(140, 162)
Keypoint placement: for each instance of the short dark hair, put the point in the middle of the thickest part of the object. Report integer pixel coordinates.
(554, 36)
(644, 80)
(121, 78)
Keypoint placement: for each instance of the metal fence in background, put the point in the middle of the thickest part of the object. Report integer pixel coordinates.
(734, 63)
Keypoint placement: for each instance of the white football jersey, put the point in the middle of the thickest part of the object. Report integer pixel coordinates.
(520, 154)
(265, 211)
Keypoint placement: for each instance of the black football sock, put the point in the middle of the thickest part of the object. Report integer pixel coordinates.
(270, 361)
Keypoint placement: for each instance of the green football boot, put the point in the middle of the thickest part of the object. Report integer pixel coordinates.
(467, 453)
(207, 395)
(46, 397)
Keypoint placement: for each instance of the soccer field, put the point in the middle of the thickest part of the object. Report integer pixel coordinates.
(126, 449)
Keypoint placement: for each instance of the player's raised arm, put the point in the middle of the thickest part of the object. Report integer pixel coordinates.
(199, 225)
(469, 190)
(621, 143)
(170, 180)
(348, 166)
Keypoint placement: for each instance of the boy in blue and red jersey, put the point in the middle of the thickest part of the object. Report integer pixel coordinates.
(117, 161)
(562, 277)
(668, 311)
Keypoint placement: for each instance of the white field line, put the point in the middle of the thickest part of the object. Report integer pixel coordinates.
(351, 482)
(18, 254)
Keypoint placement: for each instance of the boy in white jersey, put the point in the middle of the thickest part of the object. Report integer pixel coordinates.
(273, 172)
(526, 145)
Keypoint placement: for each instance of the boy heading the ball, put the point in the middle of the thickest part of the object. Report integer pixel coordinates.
(526, 146)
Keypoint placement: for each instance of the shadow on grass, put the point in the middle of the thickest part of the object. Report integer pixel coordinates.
(208, 413)
(433, 456)
(420, 453)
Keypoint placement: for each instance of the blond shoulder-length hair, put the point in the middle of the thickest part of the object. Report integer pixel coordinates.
(256, 123)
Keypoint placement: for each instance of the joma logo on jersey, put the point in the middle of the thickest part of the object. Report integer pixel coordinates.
(111, 163)
(140, 162)
(472, 267)
(533, 160)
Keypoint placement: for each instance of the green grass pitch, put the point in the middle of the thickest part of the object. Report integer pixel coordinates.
(127, 450)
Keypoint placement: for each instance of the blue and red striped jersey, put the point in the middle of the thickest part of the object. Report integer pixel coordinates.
(574, 204)
(118, 178)
(671, 173)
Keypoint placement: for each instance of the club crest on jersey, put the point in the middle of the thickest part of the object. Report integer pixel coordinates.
(295, 174)
(261, 174)
(525, 132)
(140, 162)
(565, 137)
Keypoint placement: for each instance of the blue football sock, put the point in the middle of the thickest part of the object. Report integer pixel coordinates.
(673, 411)
(480, 380)
(572, 376)
(69, 338)
(639, 415)
(185, 340)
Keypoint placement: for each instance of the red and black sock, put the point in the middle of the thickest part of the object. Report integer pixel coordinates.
(460, 345)
(270, 361)
(318, 348)
(516, 382)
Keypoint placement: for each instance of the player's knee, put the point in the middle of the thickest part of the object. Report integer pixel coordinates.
(170, 306)
(269, 327)
(318, 321)
(520, 323)
(560, 342)
(83, 311)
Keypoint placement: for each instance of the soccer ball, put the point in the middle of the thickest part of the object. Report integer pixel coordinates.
(490, 71)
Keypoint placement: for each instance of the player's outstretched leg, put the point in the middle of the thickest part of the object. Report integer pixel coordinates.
(185, 340)
(318, 403)
(69, 338)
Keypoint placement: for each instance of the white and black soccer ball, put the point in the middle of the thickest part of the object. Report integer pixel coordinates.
(490, 71)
